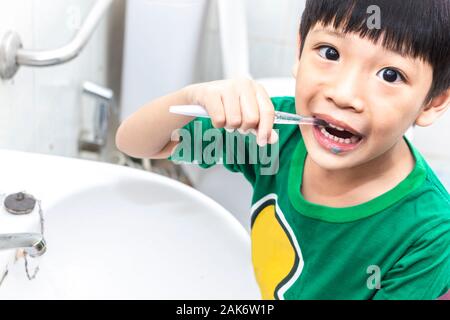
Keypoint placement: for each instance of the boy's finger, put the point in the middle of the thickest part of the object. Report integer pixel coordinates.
(249, 110)
(267, 114)
(232, 110)
(216, 111)
(273, 137)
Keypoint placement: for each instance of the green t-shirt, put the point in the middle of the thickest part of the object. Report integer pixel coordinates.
(396, 246)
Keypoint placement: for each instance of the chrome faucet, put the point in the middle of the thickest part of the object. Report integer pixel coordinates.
(94, 140)
(33, 243)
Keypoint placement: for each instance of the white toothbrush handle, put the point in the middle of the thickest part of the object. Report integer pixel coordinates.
(190, 110)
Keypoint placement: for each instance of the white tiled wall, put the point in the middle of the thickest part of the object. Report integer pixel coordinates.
(40, 107)
(272, 35)
(272, 26)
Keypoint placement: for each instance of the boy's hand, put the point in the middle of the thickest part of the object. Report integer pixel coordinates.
(241, 104)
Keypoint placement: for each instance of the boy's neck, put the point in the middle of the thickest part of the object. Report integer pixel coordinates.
(349, 187)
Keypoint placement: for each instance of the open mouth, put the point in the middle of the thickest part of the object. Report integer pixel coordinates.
(337, 139)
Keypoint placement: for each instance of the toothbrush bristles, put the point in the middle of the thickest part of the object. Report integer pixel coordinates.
(320, 123)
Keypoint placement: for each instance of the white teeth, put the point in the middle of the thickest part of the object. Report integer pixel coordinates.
(352, 140)
(336, 127)
(325, 132)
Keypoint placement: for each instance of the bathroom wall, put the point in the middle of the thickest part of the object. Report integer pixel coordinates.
(272, 28)
(40, 109)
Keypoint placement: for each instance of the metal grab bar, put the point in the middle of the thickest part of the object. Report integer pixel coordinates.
(12, 55)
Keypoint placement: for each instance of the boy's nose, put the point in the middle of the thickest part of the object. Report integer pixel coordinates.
(346, 91)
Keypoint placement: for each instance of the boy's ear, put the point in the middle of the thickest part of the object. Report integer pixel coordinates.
(297, 56)
(434, 109)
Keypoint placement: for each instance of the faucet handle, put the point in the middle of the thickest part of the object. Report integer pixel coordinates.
(98, 91)
(94, 139)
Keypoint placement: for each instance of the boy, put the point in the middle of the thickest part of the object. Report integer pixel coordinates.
(352, 210)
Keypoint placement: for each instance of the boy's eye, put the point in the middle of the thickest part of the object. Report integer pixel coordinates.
(328, 53)
(390, 75)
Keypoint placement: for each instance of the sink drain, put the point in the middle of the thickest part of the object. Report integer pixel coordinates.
(20, 203)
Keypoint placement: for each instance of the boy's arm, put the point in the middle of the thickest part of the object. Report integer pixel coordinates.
(234, 104)
(147, 133)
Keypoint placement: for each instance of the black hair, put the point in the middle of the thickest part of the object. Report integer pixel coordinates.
(415, 28)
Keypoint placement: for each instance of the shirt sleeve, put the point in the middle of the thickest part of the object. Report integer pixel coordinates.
(203, 145)
(423, 273)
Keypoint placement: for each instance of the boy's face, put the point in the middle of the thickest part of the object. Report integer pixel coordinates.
(357, 85)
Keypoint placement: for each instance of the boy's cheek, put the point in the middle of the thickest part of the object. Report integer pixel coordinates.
(383, 137)
(394, 123)
(306, 97)
(311, 97)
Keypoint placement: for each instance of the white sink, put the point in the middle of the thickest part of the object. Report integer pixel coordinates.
(119, 233)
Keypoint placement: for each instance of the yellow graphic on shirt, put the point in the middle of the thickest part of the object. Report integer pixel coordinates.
(273, 254)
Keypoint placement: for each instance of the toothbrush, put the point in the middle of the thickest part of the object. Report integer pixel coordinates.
(280, 117)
